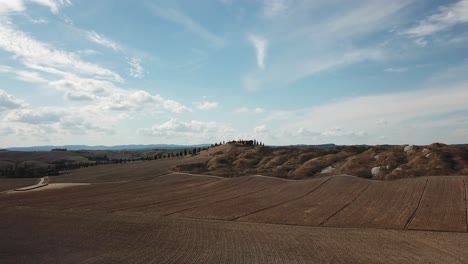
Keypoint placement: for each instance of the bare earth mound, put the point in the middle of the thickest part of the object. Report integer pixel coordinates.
(378, 162)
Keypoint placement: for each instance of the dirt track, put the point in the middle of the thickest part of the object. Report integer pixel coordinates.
(176, 218)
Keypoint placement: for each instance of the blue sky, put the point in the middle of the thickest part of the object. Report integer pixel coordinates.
(185, 72)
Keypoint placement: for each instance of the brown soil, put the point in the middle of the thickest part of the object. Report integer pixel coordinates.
(316, 207)
(378, 162)
(13, 183)
(140, 213)
(442, 206)
(30, 236)
(382, 205)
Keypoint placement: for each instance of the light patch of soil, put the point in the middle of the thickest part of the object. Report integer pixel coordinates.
(52, 186)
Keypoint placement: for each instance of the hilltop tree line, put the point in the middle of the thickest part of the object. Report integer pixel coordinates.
(32, 169)
(181, 153)
(251, 142)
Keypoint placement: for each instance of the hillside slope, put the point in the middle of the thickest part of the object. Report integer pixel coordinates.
(378, 162)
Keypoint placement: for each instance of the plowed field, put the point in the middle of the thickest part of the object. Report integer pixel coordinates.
(382, 205)
(165, 217)
(442, 206)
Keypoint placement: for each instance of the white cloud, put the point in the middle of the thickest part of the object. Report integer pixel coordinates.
(57, 124)
(364, 17)
(298, 70)
(447, 17)
(355, 56)
(8, 101)
(382, 122)
(136, 70)
(259, 110)
(79, 96)
(77, 85)
(274, 7)
(36, 116)
(397, 114)
(87, 52)
(139, 100)
(174, 125)
(340, 132)
(310, 40)
(261, 129)
(397, 106)
(27, 76)
(103, 41)
(38, 21)
(260, 44)
(421, 42)
(244, 110)
(38, 55)
(7, 6)
(192, 131)
(5, 131)
(206, 105)
(177, 17)
(53, 5)
(396, 70)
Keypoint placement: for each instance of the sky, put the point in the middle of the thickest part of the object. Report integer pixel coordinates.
(187, 72)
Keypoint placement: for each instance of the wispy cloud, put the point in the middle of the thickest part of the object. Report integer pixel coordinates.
(300, 69)
(136, 70)
(327, 42)
(447, 17)
(260, 44)
(38, 55)
(36, 116)
(351, 57)
(183, 20)
(206, 105)
(275, 7)
(139, 100)
(190, 131)
(27, 76)
(8, 101)
(396, 69)
(245, 110)
(389, 113)
(103, 41)
(38, 21)
(7, 6)
(53, 5)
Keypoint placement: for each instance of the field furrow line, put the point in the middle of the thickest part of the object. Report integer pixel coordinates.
(223, 200)
(466, 206)
(417, 207)
(149, 188)
(279, 204)
(346, 205)
(176, 199)
(73, 194)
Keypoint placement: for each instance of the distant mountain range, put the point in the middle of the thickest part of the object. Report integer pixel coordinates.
(115, 148)
(144, 147)
(163, 147)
